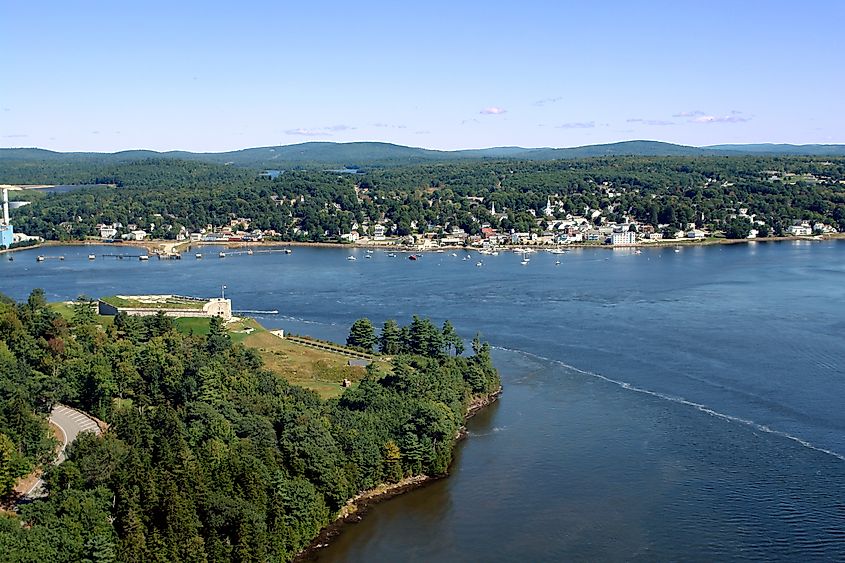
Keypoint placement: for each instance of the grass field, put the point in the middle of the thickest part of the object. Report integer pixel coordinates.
(66, 311)
(319, 370)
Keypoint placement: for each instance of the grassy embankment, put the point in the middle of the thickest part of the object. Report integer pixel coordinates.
(322, 371)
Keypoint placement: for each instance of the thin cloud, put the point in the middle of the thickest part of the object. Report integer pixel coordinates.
(577, 125)
(656, 122)
(423, 132)
(547, 101)
(389, 126)
(318, 131)
(720, 119)
(493, 110)
(308, 132)
(694, 113)
(16, 136)
(473, 120)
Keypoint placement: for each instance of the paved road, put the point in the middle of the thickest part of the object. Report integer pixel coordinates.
(71, 422)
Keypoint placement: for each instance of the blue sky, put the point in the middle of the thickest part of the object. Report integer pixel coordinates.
(213, 76)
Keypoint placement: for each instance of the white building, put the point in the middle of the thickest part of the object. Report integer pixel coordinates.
(626, 238)
(800, 230)
(378, 232)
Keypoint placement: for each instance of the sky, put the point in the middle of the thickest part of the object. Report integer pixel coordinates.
(80, 75)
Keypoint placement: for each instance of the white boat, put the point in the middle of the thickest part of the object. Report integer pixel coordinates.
(222, 254)
(351, 258)
(677, 250)
(249, 252)
(557, 251)
(91, 257)
(143, 258)
(370, 251)
(392, 255)
(638, 251)
(524, 262)
(557, 262)
(495, 253)
(198, 255)
(39, 258)
(288, 251)
(479, 264)
(453, 254)
(368, 256)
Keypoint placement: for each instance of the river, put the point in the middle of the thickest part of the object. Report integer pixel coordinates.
(658, 406)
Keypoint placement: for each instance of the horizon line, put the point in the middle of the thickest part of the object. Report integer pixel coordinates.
(164, 151)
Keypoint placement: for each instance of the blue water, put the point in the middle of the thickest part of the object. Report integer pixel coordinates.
(682, 406)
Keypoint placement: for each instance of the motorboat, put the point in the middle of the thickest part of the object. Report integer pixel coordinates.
(351, 258)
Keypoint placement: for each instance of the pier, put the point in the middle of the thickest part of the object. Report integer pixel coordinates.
(123, 256)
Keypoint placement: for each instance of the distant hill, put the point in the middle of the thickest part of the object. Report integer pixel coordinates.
(769, 148)
(369, 154)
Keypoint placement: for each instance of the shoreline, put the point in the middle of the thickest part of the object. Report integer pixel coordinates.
(357, 507)
(185, 246)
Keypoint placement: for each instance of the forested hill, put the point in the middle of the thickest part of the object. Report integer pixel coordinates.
(368, 154)
(210, 456)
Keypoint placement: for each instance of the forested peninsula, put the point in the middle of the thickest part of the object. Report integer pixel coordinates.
(209, 456)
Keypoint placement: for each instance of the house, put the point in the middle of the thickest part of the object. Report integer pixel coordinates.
(379, 232)
(137, 235)
(350, 237)
(696, 234)
(107, 232)
(799, 230)
(625, 238)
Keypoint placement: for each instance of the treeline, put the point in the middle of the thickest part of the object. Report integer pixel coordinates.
(209, 456)
(164, 196)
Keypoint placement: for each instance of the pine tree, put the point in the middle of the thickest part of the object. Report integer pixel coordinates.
(362, 335)
(390, 340)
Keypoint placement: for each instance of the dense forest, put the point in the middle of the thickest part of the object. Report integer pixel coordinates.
(209, 456)
(167, 197)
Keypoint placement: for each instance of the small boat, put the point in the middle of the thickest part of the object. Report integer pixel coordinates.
(91, 257)
(351, 258)
(288, 251)
(222, 254)
(143, 258)
(61, 257)
(638, 251)
(479, 264)
(40, 258)
(11, 258)
(370, 251)
(412, 257)
(455, 255)
(392, 255)
(495, 253)
(525, 261)
(367, 256)
(557, 251)
(249, 252)
(198, 256)
(440, 251)
(677, 250)
(557, 262)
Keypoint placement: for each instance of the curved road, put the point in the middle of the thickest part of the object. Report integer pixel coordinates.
(71, 422)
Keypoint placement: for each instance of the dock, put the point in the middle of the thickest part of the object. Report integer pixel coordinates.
(123, 256)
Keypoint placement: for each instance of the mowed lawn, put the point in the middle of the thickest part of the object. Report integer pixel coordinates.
(319, 370)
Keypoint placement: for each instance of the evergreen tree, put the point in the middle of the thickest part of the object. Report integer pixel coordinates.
(390, 342)
(362, 335)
